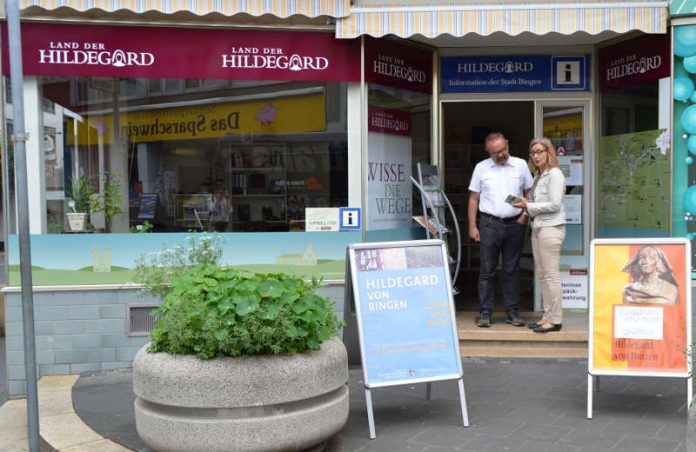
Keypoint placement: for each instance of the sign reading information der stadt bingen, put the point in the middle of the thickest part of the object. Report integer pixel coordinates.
(518, 73)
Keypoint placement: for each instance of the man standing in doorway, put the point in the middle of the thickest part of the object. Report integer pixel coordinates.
(501, 227)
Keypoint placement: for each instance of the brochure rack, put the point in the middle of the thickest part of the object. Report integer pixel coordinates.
(436, 205)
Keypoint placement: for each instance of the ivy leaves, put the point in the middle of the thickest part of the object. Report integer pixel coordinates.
(211, 311)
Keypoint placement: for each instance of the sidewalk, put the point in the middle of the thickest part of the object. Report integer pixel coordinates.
(515, 405)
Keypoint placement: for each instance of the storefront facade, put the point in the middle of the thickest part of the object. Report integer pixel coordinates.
(266, 117)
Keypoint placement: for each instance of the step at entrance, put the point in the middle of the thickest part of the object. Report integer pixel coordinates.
(502, 340)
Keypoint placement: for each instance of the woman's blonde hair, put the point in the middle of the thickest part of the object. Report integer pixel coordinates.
(551, 161)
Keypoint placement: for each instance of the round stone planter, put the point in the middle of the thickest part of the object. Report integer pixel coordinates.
(256, 403)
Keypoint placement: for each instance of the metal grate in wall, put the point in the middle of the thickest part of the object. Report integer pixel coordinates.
(140, 322)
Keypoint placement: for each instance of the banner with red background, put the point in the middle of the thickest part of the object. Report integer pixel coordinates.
(398, 65)
(160, 52)
(635, 61)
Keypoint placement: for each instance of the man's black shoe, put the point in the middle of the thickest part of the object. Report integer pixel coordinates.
(514, 319)
(484, 320)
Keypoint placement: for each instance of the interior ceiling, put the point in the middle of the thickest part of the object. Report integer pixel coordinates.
(526, 39)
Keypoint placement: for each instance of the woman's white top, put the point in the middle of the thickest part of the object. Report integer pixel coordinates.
(545, 205)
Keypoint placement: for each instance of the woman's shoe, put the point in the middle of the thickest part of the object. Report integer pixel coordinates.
(541, 329)
(534, 324)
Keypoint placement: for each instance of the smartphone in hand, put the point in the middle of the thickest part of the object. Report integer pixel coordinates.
(510, 199)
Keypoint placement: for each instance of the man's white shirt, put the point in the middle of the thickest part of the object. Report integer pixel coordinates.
(495, 182)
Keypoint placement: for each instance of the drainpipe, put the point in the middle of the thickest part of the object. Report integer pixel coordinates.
(20, 138)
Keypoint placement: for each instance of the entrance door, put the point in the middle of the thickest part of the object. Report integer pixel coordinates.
(565, 123)
(465, 126)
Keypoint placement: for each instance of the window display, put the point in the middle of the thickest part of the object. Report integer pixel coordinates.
(221, 156)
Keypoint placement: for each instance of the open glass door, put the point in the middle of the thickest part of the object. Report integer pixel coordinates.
(566, 124)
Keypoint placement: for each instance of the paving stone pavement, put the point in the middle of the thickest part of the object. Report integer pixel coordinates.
(513, 405)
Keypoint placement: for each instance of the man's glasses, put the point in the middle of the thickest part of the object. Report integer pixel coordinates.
(535, 153)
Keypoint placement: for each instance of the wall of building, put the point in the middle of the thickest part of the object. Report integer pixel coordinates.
(84, 330)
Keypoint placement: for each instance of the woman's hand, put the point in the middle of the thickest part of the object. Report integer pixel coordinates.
(520, 203)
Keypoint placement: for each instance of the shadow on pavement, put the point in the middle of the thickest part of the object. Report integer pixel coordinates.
(512, 404)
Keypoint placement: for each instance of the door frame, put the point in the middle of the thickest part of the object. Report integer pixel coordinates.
(583, 100)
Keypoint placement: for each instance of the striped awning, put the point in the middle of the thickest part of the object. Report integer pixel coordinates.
(407, 18)
(279, 8)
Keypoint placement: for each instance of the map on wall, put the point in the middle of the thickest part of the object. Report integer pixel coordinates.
(633, 185)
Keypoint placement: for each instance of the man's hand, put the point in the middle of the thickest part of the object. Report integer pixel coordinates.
(471, 211)
(474, 233)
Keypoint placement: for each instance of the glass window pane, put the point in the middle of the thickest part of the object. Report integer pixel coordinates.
(206, 161)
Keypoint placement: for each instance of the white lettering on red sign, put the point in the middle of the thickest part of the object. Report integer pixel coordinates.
(630, 65)
(271, 58)
(92, 53)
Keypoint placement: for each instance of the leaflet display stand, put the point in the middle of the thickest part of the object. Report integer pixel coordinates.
(436, 205)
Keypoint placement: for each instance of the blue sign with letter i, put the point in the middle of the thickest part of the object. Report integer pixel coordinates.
(350, 218)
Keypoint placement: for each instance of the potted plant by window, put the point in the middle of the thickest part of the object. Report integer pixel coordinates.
(79, 202)
(238, 360)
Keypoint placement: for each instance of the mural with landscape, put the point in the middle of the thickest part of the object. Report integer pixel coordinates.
(92, 259)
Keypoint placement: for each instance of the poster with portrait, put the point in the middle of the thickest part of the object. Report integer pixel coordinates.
(640, 307)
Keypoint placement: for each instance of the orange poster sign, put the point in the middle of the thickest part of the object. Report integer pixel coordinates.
(640, 315)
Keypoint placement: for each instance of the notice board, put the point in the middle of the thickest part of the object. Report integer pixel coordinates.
(402, 293)
(640, 307)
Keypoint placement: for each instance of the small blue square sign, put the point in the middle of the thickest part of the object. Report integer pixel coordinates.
(350, 218)
(568, 73)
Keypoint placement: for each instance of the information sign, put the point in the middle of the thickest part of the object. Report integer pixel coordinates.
(640, 308)
(515, 73)
(402, 293)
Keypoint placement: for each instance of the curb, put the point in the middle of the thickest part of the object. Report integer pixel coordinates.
(61, 428)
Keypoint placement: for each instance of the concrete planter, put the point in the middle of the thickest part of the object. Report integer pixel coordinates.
(256, 403)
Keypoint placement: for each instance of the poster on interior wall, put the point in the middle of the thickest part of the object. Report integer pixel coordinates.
(640, 307)
(634, 185)
(574, 288)
(572, 205)
(389, 169)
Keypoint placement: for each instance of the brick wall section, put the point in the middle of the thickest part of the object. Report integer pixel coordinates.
(82, 330)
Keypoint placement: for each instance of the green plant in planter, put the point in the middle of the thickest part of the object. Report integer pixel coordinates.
(109, 201)
(212, 311)
(80, 194)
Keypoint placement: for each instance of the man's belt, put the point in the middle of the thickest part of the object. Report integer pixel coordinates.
(500, 219)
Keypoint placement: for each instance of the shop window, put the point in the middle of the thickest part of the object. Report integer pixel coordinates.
(633, 171)
(207, 155)
(398, 139)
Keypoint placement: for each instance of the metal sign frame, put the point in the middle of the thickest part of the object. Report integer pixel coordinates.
(353, 296)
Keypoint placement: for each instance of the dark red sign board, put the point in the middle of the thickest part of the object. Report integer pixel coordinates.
(160, 52)
(635, 61)
(384, 120)
(401, 66)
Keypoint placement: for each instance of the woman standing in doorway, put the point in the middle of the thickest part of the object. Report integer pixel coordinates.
(545, 208)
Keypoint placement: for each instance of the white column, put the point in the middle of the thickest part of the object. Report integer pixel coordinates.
(117, 163)
(355, 161)
(36, 179)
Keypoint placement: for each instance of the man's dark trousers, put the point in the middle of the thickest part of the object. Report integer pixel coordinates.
(506, 238)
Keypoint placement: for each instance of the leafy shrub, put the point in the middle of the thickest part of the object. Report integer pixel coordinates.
(211, 311)
(156, 270)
